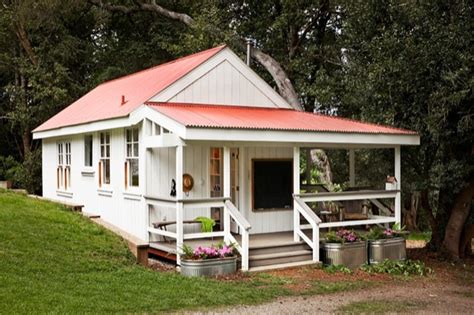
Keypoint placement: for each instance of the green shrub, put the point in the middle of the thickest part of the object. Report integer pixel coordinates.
(399, 268)
(28, 174)
(8, 167)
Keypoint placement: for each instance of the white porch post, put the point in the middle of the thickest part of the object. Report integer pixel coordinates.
(352, 168)
(226, 182)
(398, 176)
(296, 190)
(179, 203)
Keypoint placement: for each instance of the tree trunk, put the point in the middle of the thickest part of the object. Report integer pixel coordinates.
(435, 241)
(26, 139)
(410, 213)
(457, 219)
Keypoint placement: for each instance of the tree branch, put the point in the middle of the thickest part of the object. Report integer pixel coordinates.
(283, 82)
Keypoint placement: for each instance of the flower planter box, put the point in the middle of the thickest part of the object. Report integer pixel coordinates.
(209, 267)
(391, 248)
(351, 255)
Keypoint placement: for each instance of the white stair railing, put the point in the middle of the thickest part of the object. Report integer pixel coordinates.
(302, 208)
(230, 211)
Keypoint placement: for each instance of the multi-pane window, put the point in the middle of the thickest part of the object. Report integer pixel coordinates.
(63, 171)
(104, 164)
(132, 157)
(88, 151)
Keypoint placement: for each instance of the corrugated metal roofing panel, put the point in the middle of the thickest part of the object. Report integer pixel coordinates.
(258, 118)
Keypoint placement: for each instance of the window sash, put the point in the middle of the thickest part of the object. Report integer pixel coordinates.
(132, 157)
(88, 149)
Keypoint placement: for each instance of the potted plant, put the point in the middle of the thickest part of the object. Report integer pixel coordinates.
(344, 247)
(385, 244)
(215, 260)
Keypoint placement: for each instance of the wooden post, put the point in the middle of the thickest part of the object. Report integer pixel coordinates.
(398, 176)
(179, 203)
(226, 190)
(296, 190)
(245, 250)
(351, 167)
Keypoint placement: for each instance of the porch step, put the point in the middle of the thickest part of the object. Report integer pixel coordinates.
(280, 258)
(280, 248)
(282, 266)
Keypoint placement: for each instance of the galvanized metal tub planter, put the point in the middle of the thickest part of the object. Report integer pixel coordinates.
(390, 248)
(349, 254)
(209, 267)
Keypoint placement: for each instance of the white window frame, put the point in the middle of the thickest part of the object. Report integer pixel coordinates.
(132, 155)
(63, 170)
(90, 154)
(104, 158)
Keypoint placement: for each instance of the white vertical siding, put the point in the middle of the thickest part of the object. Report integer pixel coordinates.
(224, 85)
(122, 208)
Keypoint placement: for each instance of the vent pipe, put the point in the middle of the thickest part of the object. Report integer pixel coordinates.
(249, 41)
(123, 101)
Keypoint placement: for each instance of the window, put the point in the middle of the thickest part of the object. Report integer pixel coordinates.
(272, 184)
(104, 164)
(88, 151)
(132, 158)
(63, 170)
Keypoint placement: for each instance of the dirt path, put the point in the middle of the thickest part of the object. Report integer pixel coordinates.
(424, 297)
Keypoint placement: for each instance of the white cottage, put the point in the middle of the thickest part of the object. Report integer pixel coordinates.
(123, 149)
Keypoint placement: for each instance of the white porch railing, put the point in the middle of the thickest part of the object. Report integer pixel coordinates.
(315, 223)
(302, 208)
(230, 212)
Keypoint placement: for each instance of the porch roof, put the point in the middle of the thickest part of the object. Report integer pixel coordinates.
(214, 116)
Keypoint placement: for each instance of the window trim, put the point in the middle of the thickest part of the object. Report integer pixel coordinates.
(88, 168)
(132, 156)
(104, 157)
(252, 185)
(63, 165)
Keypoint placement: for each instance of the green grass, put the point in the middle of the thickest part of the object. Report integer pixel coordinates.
(380, 307)
(419, 236)
(56, 261)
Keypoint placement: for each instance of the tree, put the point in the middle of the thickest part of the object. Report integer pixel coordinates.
(410, 64)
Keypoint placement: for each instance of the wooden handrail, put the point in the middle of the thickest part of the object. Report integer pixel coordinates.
(237, 216)
(347, 195)
(308, 211)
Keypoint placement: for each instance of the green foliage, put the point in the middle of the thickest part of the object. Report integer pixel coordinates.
(28, 174)
(207, 224)
(399, 268)
(8, 167)
(337, 268)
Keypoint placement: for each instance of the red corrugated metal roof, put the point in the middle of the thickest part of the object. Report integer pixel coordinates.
(259, 118)
(104, 102)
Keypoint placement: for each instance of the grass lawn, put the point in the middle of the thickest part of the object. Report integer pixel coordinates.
(56, 261)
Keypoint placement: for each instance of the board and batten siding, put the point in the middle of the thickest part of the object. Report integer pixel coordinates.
(114, 203)
(223, 85)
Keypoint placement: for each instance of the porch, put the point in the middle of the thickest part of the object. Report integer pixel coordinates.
(307, 219)
(245, 166)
